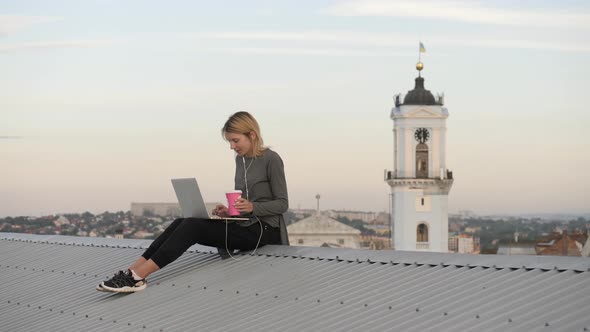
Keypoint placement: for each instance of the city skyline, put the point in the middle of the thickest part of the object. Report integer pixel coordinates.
(103, 103)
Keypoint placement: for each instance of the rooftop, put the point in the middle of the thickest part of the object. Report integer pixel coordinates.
(48, 284)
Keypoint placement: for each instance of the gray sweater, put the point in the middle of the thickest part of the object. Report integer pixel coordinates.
(267, 187)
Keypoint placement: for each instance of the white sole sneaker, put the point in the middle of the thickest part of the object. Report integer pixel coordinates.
(125, 289)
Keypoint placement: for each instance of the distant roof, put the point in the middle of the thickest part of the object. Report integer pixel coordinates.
(320, 224)
(517, 250)
(48, 284)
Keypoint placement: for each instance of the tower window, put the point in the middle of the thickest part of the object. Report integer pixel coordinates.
(421, 161)
(423, 203)
(422, 233)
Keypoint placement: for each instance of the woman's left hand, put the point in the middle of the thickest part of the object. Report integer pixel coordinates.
(244, 205)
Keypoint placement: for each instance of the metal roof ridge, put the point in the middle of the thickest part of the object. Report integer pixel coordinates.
(560, 263)
(89, 241)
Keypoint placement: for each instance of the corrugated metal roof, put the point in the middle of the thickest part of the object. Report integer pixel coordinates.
(47, 283)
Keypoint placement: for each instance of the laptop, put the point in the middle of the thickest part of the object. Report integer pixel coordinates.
(191, 201)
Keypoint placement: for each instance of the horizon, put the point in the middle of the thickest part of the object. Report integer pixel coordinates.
(455, 213)
(103, 103)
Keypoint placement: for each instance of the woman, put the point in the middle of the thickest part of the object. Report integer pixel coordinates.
(261, 178)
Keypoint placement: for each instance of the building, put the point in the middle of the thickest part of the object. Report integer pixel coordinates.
(375, 242)
(564, 244)
(455, 227)
(365, 217)
(282, 288)
(158, 209)
(323, 231)
(141, 234)
(381, 225)
(472, 230)
(420, 182)
(162, 209)
(516, 249)
(61, 220)
(119, 234)
(382, 218)
(453, 242)
(466, 244)
(302, 213)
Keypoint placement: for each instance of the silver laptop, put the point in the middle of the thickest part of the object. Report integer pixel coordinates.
(191, 201)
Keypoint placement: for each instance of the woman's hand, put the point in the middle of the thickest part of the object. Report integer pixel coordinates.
(244, 205)
(220, 211)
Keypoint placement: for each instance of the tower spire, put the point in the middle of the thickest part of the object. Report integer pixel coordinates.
(420, 65)
(317, 197)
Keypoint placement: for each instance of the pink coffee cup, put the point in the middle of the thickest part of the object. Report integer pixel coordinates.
(232, 197)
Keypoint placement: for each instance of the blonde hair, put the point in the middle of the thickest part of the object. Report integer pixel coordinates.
(245, 124)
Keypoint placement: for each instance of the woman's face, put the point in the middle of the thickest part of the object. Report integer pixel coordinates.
(240, 143)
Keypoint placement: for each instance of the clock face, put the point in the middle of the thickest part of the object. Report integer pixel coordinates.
(421, 135)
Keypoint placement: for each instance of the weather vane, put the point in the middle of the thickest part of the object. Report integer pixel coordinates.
(420, 65)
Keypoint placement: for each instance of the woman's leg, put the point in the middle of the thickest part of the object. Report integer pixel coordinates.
(184, 234)
(149, 252)
(209, 233)
(145, 269)
(139, 262)
(157, 243)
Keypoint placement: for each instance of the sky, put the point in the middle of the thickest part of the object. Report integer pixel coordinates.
(103, 102)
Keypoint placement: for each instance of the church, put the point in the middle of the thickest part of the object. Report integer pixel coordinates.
(420, 181)
(322, 231)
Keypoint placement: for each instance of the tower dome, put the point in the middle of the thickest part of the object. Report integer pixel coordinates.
(419, 96)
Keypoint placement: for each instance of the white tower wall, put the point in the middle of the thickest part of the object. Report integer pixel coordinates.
(408, 216)
(422, 200)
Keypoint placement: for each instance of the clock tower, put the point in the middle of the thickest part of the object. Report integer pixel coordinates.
(420, 181)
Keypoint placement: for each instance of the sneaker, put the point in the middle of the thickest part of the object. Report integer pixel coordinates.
(123, 282)
(99, 287)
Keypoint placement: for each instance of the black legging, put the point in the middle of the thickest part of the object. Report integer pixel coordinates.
(183, 233)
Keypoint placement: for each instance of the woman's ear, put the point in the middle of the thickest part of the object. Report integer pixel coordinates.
(252, 135)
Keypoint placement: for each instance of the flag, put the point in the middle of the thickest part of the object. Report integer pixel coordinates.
(422, 49)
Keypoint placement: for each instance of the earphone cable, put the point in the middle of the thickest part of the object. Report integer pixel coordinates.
(247, 198)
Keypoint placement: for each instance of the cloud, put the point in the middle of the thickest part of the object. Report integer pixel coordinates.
(344, 37)
(342, 43)
(13, 23)
(10, 24)
(380, 44)
(463, 11)
(13, 47)
(308, 51)
(524, 44)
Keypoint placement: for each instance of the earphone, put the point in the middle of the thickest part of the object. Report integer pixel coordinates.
(245, 175)
(247, 198)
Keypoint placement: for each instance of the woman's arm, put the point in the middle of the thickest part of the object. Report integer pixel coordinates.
(278, 185)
